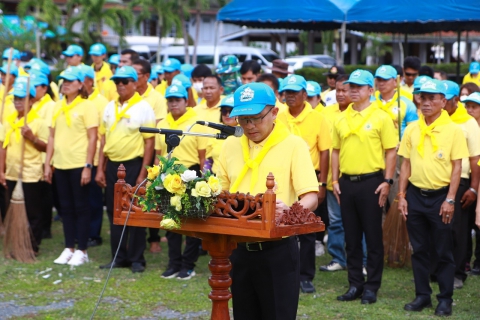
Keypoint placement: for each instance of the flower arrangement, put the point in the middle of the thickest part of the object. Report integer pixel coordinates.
(179, 193)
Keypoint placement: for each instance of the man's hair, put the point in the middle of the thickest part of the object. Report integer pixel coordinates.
(201, 71)
(146, 67)
(412, 63)
(398, 68)
(269, 77)
(250, 65)
(443, 74)
(342, 78)
(217, 78)
(133, 54)
(426, 71)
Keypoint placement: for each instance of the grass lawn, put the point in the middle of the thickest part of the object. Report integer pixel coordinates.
(148, 296)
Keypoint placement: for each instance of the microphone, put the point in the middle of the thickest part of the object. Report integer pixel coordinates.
(231, 131)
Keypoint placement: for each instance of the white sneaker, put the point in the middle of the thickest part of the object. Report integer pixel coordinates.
(319, 248)
(332, 266)
(78, 258)
(64, 257)
(364, 271)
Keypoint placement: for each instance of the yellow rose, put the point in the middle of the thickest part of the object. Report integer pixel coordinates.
(176, 201)
(201, 190)
(153, 172)
(168, 224)
(214, 184)
(174, 184)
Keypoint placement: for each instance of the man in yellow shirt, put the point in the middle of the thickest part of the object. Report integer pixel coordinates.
(212, 92)
(364, 142)
(73, 55)
(122, 143)
(411, 67)
(301, 120)
(272, 289)
(103, 73)
(433, 149)
(472, 75)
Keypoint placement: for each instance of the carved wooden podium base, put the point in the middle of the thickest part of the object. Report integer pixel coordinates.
(254, 221)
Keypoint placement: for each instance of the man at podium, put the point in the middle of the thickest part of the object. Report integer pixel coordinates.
(266, 275)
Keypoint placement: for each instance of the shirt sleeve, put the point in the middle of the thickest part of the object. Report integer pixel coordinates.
(473, 141)
(336, 141)
(406, 143)
(2, 132)
(43, 131)
(325, 141)
(90, 116)
(459, 147)
(388, 135)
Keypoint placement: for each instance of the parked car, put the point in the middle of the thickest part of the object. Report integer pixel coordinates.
(302, 62)
(323, 58)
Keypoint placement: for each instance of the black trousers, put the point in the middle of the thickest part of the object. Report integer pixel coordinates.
(74, 206)
(361, 215)
(460, 231)
(425, 227)
(133, 242)
(472, 226)
(266, 283)
(33, 205)
(96, 206)
(46, 192)
(3, 203)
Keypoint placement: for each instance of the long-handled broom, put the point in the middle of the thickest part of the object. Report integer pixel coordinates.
(17, 243)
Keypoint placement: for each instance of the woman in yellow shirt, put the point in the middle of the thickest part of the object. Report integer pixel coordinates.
(71, 148)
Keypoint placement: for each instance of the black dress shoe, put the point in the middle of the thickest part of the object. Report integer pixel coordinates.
(444, 308)
(307, 286)
(418, 304)
(115, 265)
(352, 294)
(137, 267)
(369, 297)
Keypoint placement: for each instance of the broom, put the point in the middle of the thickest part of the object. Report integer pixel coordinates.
(17, 243)
(5, 92)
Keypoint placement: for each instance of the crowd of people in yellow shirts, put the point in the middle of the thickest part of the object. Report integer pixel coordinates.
(371, 140)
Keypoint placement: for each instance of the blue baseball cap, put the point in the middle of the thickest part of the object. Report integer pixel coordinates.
(87, 71)
(417, 83)
(187, 69)
(157, 69)
(386, 72)
(361, 78)
(182, 80)
(313, 89)
(72, 74)
(20, 88)
(171, 65)
(431, 86)
(13, 69)
(15, 54)
(451, 89)
(176, 91)
(37, 65)
(72, 50)
(228, 101)
(125, 72)
(38, 78)
(97, 49)
(474, 67)
(473, 97)
(114, 59)
(251, 99)
(294, 82)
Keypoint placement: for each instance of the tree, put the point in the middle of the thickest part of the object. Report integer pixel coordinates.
(376, 48)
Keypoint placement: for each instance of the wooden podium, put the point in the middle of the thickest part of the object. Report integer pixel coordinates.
(253, 222)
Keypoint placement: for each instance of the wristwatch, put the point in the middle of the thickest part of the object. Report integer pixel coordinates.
(88, 165)
(322, 184)
(450, 201)
(389, 181)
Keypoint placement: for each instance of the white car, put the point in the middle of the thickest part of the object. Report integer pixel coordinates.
(299, 63)
(323, 58)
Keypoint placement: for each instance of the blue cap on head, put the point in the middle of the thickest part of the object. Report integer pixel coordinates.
(171, 65)
(361, 78)
(417, 83)
(451, 89)
(37, 65)
(38, 78)
(87, 71)
(72, 50)
(431, 86)
(97, 49)
(176, 91)
(125, 72)
(20, 88)
(114, 59)
(72, 74)
(313, 89)
(228, 101)
(251, 99)
(228, 64)
(15, 54)
(182, 80)
(13, 69)
(187, 69)
(474, 67)
(386, 72)
(294, 82)
(473, 97)
(157, 69)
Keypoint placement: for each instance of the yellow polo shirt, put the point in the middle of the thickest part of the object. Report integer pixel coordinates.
(468, 78)
(312, 128)
(71, 142)
(288, 161)
(156, 101)
(9, 107)
(109, 90)
(100, 102)
(44, 108)
(212, 114)
(363, 152)
(102, 76)
(434, 170)
(33, 160)
(162, 87)
(281, 106)
(330, 114)
(471, 131)
(125, 142)
(406, 88)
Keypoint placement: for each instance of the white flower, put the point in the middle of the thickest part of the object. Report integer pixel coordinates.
(162, 176)
(189, 175)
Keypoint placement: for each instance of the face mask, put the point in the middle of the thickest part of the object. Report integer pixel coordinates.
(198, 86)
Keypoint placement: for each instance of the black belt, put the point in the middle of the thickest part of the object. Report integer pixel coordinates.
(431, 192)
(262, 246)
(362, 177)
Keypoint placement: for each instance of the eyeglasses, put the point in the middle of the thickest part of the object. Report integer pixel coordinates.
(123, 81)
(408, 74)
(226, 111)
(252, 120)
